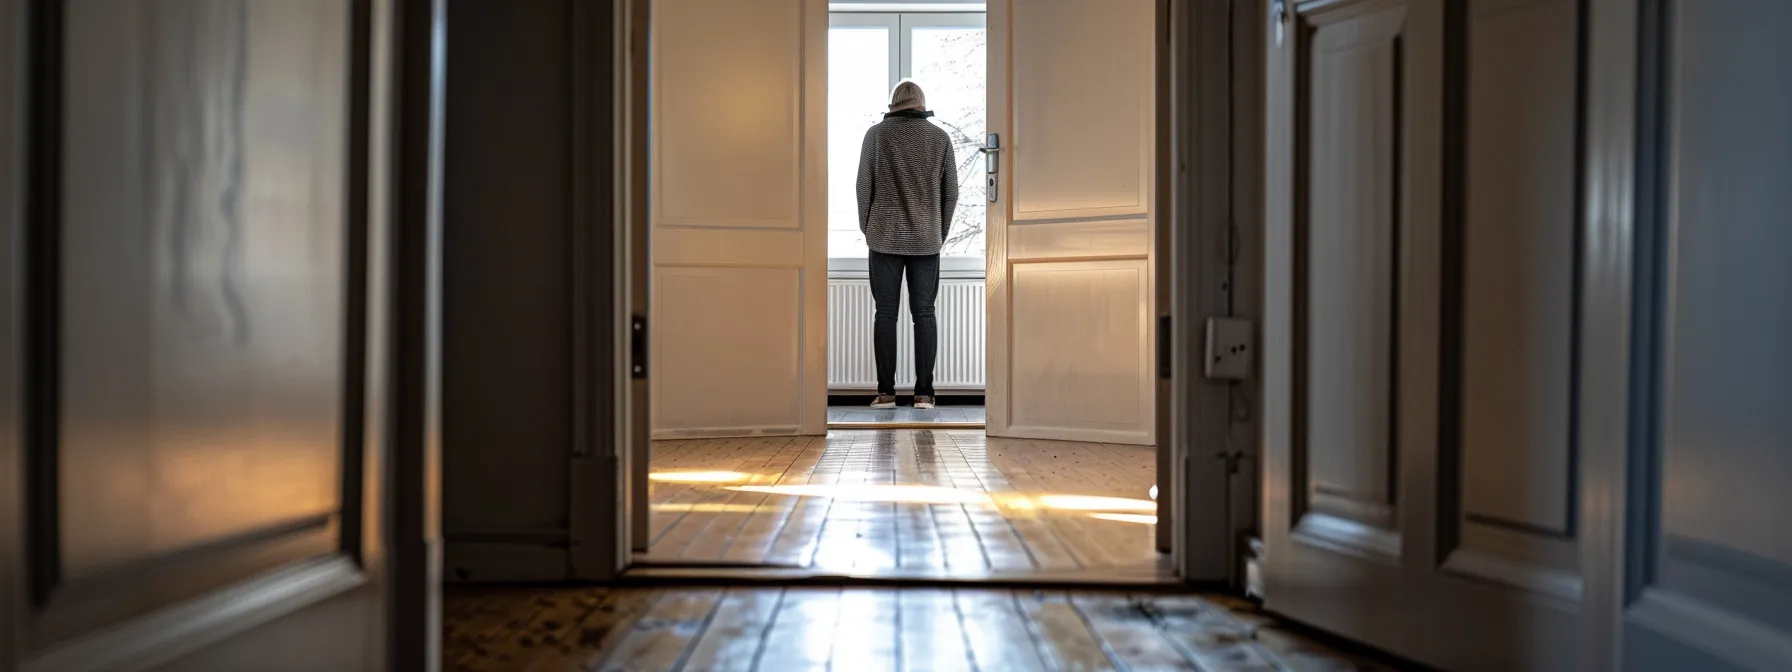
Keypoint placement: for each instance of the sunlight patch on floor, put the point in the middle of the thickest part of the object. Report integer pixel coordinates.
(902, 494)
(699, 476)
(1141, 518)
(1087, 503)
(935, 494)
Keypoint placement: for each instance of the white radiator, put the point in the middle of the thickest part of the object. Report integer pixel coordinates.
(957, 367)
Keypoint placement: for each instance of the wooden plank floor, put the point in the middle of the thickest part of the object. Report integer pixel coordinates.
(911, 503)
(864, 630)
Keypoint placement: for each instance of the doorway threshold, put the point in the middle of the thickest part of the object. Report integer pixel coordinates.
(677, 573)
(920, 424)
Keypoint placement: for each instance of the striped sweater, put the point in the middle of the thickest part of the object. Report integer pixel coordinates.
(908, 185)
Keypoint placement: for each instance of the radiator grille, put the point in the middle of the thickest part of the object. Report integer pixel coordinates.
(959, 365)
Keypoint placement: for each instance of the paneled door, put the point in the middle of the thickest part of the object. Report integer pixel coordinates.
(738, 191)
(202, 442)
(1421, 487)
(1071, 296)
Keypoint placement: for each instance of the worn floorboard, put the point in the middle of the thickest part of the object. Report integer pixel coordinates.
(863, 629)
(913, 503)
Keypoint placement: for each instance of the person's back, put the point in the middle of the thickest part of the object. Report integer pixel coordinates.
(908, 184)
(908, 188)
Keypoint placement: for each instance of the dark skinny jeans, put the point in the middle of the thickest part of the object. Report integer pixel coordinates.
(886, 291)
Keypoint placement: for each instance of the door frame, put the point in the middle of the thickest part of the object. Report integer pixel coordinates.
(1197, 223)
(14, 76)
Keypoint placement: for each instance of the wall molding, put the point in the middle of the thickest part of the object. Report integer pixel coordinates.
(490, 561)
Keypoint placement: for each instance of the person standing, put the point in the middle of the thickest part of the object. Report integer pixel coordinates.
(907, 189)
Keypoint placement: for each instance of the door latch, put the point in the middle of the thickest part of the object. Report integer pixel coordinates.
(637, 338)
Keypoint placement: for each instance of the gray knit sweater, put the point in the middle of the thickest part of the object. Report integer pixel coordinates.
(908, 185)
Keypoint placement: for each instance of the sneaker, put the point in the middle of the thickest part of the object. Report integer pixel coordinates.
(923, 402)
(884, 401)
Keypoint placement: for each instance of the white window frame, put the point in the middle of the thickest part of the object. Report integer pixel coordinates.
(903, 25)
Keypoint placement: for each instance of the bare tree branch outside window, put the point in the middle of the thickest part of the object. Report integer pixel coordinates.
(950, 65)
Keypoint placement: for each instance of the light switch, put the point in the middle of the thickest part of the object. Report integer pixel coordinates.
(1230, 349)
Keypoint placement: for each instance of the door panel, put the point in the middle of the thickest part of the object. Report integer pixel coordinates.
(1706, 588)
(1106, 345)
(739, 217)
(1420, 474)
(198, 467)
(1346, 345)
(1519, 496)
(1070, 269)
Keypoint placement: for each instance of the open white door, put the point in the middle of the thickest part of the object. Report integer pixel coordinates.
(1420, 488)
(738, 193)
(1071, 280)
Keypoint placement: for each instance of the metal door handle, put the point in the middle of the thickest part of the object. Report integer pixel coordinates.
(992, 160)
(992, 163)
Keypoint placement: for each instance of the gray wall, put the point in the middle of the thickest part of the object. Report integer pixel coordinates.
(508, 365)
(1710, 551)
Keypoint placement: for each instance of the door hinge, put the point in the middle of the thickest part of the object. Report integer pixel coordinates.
(1166, 368)
(1253, 552)
(638, 346)
(1280, 16)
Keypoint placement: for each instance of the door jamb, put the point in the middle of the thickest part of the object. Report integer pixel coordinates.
(1205, 230)
(14, 36)
(603, 548)
(413, 138)
(1198, 221)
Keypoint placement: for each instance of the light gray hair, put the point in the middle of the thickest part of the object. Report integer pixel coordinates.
(907, 96)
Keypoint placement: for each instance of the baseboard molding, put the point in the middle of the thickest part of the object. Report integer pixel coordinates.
(742, 433)
(499, 562)
(1079, 435)
(164, 636)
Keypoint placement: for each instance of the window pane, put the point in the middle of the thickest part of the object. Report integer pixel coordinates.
(858, 90)
(948, 63)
